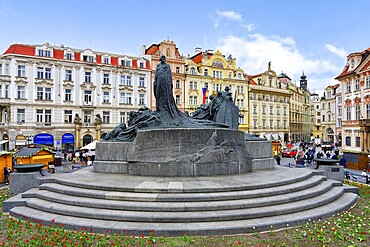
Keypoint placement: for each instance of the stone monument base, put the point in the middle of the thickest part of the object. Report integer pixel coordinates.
(176, 152)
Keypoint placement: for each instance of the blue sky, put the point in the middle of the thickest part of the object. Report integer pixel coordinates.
(313, 36)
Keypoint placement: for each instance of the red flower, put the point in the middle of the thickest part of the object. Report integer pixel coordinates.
(106, 231)
(239, 243)
(152, 230)
(363, 233)
(53, 220)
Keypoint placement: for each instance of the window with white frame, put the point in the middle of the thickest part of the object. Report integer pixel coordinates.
(357, 84)
(106, 97)
(47, 73)
(69, 56)
(68, 75)
(6, 69)
(339, 111)
(240, 89)
(192, 71)
(128, 80)
(87, 76)
(358, 112)
(125, 80)
(193, 85)
(21, 92)
(87, 116)
(1, 69)
(106, 60)
(284, 111)
(255, 125)
(44, 53)
(177, 69)
(254, 108)
(68, 94)
(47, 93)
(141, 81)
(271, 124)
(106, 117)
(21, 116)
(205, 72)
(177, 85)
(128, 63)
(6, 91)
(106, 78)
(254, 96)
(43, 73)
(39, 116)
(240, 103)
(284, 124)
(21, 70)
(367, 81)
(348, 87)
(67, 116)
(177, 100)
(339, 99)
(1, 91)
(239, 76)
(263, 123)
(348, 113)
(87, 96)
(40, 93)
(141, 65)
(87, 58)
(263, 109)
(193, 100)
(122, 117)
(241, 119)
(278, 110)
(125, 98)
(278, 124)
(141, 99)
(217, 87)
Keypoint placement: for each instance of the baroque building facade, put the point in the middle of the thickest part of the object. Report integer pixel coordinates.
(328, 113)
(208, 73)
(67, 97)
(355, 83)
(269, 106)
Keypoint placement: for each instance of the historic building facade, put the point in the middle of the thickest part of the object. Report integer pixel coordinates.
(328, 113)
(355, 83)
(317, 130)
(208, 73)
(62, 96)
(269, 106)
(177, 64)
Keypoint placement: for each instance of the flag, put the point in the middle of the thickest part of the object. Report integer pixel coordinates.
(204, 91)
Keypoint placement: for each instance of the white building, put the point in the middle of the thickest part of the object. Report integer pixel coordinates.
(45, 90)
(328, 110)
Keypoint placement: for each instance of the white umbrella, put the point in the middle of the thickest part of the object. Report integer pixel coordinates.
(91, 145)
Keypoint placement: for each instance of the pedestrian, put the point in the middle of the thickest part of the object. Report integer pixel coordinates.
(7, 172)
(69, 157)
(328, 154)
(343, 161)
(363, 173)
(77, 156)
(277, 158)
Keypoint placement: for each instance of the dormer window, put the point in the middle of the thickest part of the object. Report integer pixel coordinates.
(106, 60)
(89, 59)
(128, 63)
(352, 63)
(141, 65)
(44, 53)
(69, 56)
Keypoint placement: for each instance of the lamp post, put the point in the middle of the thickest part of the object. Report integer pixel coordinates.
(29, 138)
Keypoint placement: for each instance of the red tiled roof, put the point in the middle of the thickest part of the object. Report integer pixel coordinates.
(147, 65)
(98, 59)
(134, 63)
(152, 49)
(114, 61)
(21, 49)
(332, 86)
(77, 56)
(251, 81)
(197, 58)
(365, 51)
(344, 72)
(254, 76)
(58, 54)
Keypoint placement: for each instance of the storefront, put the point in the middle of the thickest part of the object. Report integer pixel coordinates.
(44, 139)
(68, 141)
(20, 141)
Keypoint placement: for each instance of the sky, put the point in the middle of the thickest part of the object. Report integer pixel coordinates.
(310, 36)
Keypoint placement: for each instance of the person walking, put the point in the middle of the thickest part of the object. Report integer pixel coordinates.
(277, 157)
(7, 172)
(343, 161)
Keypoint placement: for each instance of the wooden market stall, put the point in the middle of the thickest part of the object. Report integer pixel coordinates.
(34, 155)
(5, 159)
(276, 146)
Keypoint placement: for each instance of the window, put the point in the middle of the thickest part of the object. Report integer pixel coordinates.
(67, 116)
(323, 118)
(89, 59)
(357, 111)
(39, 93)
(254, 108)
(177, 85)
(339, 99)
(125, 98)
(21, 116)
(205, 72)
(141, 65)
(339, 111)
(44, 53)
(122, 80)
(263, 97)
(47, 93)
(284, 111)
(128, 63)
(240, 103)
(263, 109)
(106, 117)
(254, 96)
(106, 60)
(193, 100)
(106, 79)
(21, 92)
(255, 125)
(357, 84)
(240, 89)
(358, 140)
(284, 124)
(271, 110)
(6, 69)
(87, 116)
(323, 106)
(177, 99)
(40, 73)
(128, 80)
(367, 81)
(87, 96)
(39, 116)
(367, 110)
(263, 123)
(141, 81)
(348, 87)
(69, 56)
(271, 98)
(329, 94)
(206, 85)
(271, 124)
(278, 110)
(329, 106)
(348, 141)
(217, 87)
(68, 94)
(6, 91)
(122, 117)
(106, 97)
(68, 75)
(87, 76)
(193, 85)
(21, 71)
(47, 73)
(177, 69)
(141, 99)
(1, 69)
(192, 71)
(348, 113)
(278, 124)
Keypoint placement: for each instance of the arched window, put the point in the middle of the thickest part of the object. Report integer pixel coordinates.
(192, 71)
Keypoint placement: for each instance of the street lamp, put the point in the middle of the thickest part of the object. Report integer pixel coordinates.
(29, 138)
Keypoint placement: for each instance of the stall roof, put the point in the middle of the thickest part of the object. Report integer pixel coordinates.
(28, 152)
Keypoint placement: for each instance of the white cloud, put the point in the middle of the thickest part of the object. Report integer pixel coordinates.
(249, 27)
(340, 52)
(254, 51)
(231, 15)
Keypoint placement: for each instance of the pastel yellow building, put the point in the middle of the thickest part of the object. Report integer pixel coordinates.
(210, 72)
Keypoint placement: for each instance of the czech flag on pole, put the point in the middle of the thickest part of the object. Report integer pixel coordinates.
(204, 91)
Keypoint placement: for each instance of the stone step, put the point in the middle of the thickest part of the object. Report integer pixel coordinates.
(167, 206)
(182, 197)
(192, 216)
(290, 218)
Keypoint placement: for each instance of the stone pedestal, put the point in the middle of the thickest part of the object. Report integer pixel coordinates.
(334, 172)
(176, 152)
(261, 152)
